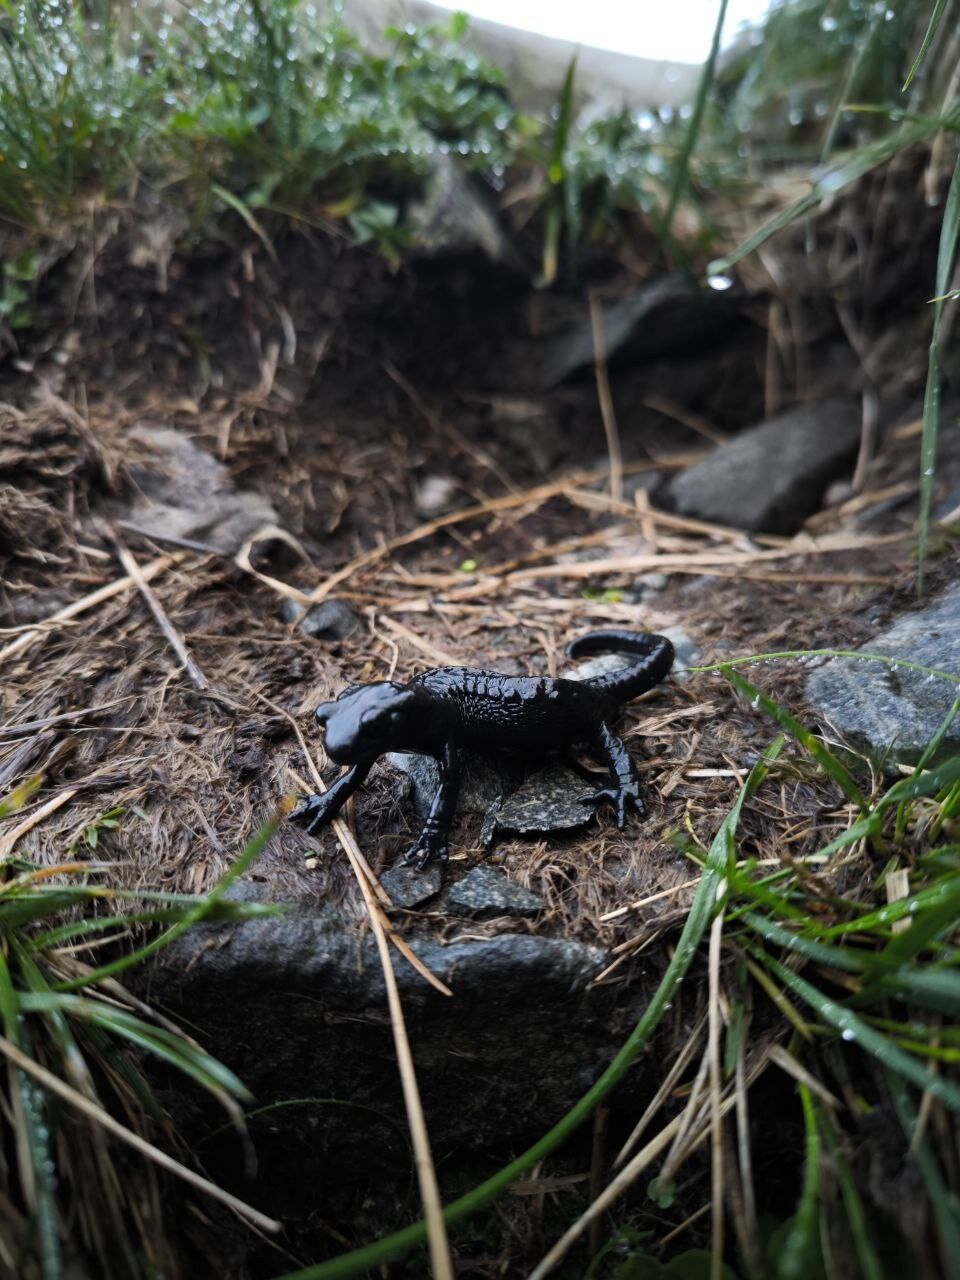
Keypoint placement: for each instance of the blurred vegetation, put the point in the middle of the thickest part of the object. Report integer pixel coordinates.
(74, 1044)
(242, 108)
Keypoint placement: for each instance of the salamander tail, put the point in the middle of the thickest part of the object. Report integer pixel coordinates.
(655, 654)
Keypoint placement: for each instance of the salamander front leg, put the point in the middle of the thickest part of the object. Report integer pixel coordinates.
(431, 843)
(624, 790)
(315, 811)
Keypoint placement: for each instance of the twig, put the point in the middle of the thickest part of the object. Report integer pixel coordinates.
(607, 412)
(667, 1084)
(440, 1262)
(654, 897)
(29, 726)
(592, 501)
(539, 494)
(439, 656)
(171, 634)
(55, 1085)
(701, 560)
(170, 539)
(112, 589)
(680, 413)
(8, 842)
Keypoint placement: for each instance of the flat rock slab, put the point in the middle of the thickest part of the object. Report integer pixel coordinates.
(771, 476)
(891, 711)
(543, 801)
(485, 781)
(485, 891)
(331, 620)
(408, 887)
(549, 800)
(301, 997)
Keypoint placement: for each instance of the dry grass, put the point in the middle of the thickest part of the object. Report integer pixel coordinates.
(197, 767)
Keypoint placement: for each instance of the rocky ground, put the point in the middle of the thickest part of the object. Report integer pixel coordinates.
(202, 541)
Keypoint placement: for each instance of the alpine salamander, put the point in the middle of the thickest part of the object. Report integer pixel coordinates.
(449, 711)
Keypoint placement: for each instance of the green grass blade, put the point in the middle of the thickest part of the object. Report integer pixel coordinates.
(923, 782)
(830, 653)
(19, 796)
(853, 1028)
(33, 1134)
(247, 857)
(800, 1256)
(696, 119)
(842, 173)
(949, 235)
(842, 958)
(811, 744)
(883, 917)
(176, 1049)
(936, 989)
(928, 35)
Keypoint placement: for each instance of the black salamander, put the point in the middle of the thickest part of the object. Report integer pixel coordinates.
(449, 711)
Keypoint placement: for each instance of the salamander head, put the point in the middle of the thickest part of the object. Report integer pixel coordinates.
(368, 719)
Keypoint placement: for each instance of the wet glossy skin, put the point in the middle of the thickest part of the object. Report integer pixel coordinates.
(449, 711)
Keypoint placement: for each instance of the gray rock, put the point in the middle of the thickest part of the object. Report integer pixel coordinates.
(434, 493)
(485, 781)
(891, 711)
(665, 317)
(685, 650)
(301, 997)
(485, 891)
(330, 620)
(495, 789)
(602, 665)
(184, 492)
(549, 800)
(649, 584)
(408, 887)
(772, 476)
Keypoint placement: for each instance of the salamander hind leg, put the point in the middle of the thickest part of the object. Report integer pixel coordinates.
(624, 789)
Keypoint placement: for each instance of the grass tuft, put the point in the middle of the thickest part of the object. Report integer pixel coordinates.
(70, 1032)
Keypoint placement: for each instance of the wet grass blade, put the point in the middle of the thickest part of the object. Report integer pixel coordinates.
(949, 235)
(811, 744)
(842, 173)
(32, 1134)
(843, 958)
(175, 1049)
(854, 1029)
(928, 35)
